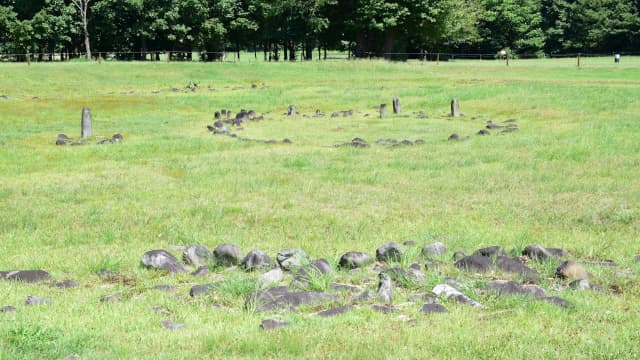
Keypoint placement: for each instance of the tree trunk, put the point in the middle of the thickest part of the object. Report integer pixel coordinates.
(389, 43)
(87, 45)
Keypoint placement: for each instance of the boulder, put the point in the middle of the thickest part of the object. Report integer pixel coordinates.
(280, 297)
(257, 259)
(196, 255)
(162, 260)
(390, 251)
(227, 255)
(355, 259)
(290, 259)
(434, 249)
(515, 266)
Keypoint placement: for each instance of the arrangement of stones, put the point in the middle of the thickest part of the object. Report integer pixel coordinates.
(86, 127)
(384, 282)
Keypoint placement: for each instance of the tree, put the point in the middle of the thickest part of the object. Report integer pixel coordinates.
(514, 24)
(83, 7)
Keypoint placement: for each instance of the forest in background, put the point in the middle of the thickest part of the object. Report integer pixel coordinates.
(294, 29)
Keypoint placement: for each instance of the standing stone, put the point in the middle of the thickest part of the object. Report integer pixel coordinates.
(383, 110)
(385, 288)
(291, 111)
(87, 127)
(396, 105)
(455, 108)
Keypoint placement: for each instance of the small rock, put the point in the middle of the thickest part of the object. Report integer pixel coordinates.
(161, 310)
(281, 298)
(322, 266)
(572, 270)
(335, 311)
(28, 276)
(491, 251)
(515, 266)
(454, 137)
(409, 243)
(434, 249)
(227, 255)
(458, 255)
(580, 284)
(35, 300)
(504, 287)
(344, 287)
(452, 293)
(201, 271)
(433, 308)
(385, 288)
(483, 132)
(257, 259)
(111, 298)
(270, 277)
(7, 309)
(165, 288)
(365, 296)
(389, 252)
(196, 255)
(385, 309)
(202, 289)
(290, 259)
(538, 252)
(271, 324)
(355, 259)
(66, 284)
(423, 298)
(558, 302)
(475, 263)
(162, 260)
(171, 325)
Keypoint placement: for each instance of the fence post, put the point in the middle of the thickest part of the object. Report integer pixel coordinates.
(578, 59)
(168, 56)
(438, 59)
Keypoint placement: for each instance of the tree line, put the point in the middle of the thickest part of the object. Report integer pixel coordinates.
(290, 29)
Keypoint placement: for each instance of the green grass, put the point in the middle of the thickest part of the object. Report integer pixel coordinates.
(568, 178)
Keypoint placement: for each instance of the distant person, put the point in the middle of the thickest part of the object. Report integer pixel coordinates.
(616, 58)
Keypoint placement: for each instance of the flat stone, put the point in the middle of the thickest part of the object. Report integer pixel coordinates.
(196, 255)
(322, 266)
(201, 271)
(390, 251)
(491, 251)
(7, 309)
(280, 297)
(271, 324)
(433, 308)
(580, 284)
(538, 252)
(385, 309)
(451, 293)
(290, 259)
(271, 277)
(515, 266)
(257, 260)
(166, 288)
(475, 263)
(66, 284)
(355, 259)
(202, 289)
(162, 260)
(558, 302)
(335, 311)
(35, 300)
(344, 288)
(365, 296)
(572, 270)
(27, 276)
(227, 255)
(504, 287)
(423, 298)
(434, 249)
(171, 325)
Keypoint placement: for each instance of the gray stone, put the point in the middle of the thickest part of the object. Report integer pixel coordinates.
(344, 288)
(433, 308)
(558, 302)
(227, 255)
(257, 259)
(475, 263)
(281, 298)
(572, 270)
(454, 137)
(401, 277)
(580, 284)
(162, 260)
(434, 249)
(271, 277)
(458, 255)
(271, 324)
(385, 288)
(515, 266)
(111, 298)
(62, 139)
(538, 252)
(322, 266)
(171, 325)
(503, 287)
(335, 311)
(390, 251)
(355, 259)
(423, 298)
(290, 259)
(66, 284)
(491, 251)
(385, 309)
(483, 132)
(161, 310)
(637, 258)
(86, 124)
(7, 309)
(451, 293)
(396, 105)
(202, 289)
(365, 296)
(455, 108)
(166, 288)
(291, 110)
(383, 110)
(201, 271)
(28, 276)
(196, 255)
(409, 243)
(35, 300)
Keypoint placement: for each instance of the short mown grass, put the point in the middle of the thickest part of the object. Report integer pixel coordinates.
(568, 178)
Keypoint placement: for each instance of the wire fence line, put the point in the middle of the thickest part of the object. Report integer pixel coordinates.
(232, 56)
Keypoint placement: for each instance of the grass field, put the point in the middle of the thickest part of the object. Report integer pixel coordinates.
(568, 178)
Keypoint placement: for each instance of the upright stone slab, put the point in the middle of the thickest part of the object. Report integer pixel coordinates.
(383, 110)
(396, 105)
(87, 127)
(291, 111)
(455, 108)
